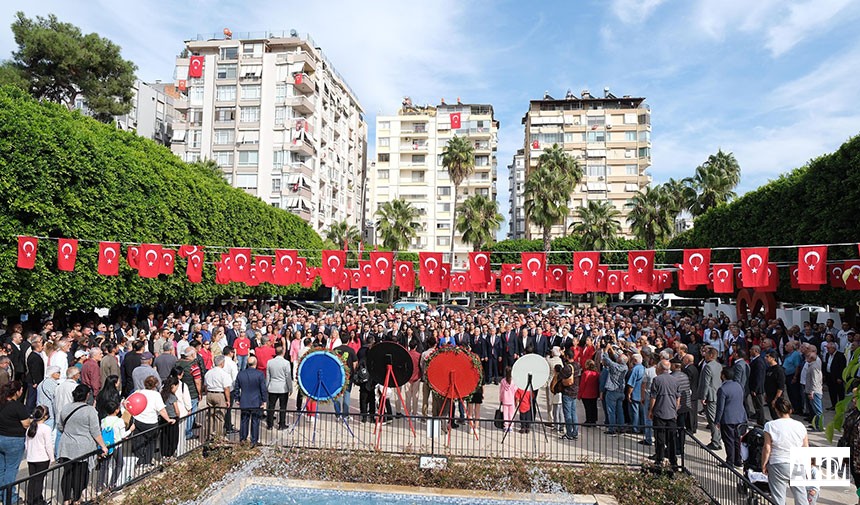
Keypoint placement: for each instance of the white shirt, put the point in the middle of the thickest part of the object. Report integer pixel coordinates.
(60, 359)
(63, 394)
(785, 433)
(154, 405)
(232, 368)
(217, 379)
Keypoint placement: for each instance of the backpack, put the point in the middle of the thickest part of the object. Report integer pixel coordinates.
(107, 436)
(362, 374)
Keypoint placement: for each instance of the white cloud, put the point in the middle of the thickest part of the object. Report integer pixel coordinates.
(634, 11)
(803, 20)
(717, 17)
(825, 91)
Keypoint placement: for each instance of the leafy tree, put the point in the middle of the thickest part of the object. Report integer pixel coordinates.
(397, 224)
(10, 75)
(714, 182)
(548, 188)
(651, 216)
(342, 232)
(478, 219)
(598, 225)
(459, 159)
(557, 160)
(59, 62)
(64, 175)
(680, 194)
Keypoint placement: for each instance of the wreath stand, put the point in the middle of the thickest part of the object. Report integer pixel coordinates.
(453, 392)
(538, 418)
(389, 379)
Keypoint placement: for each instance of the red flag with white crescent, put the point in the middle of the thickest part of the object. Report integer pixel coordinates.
(556, 277)
(602, 271)
(697, 264)
(724, 278)
(613, 281)
(108, 258)
(240, 264)
(640, 267)
(585, 266)
(331, 271)
(27, 252)
(682, 283)
(302, 270)
(794, 271)
(456, 122)
(150, 261)
(430, 271)
(168, 261)
(754, 267)
(284, 268)
(534, 268)
(221, 274)
(479, 268)
(194, 266)
(405, 276)
(834, 272)
(195, 66)
(264, 268)
(851, 275)
(445, 279)
(380, 274)
(356, 278)
(67, 254)
(812, 265)
(133, 256)
(772, 279)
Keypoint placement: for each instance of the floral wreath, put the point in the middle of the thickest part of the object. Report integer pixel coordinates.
(476, 364)
(342, 357)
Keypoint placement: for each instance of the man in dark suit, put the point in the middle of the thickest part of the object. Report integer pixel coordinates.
(709, 383)
(758, 368)
(834, 365)
(541, 344)
(731, 413)
(35, 372)
(495, 349)
(232, 333)
(692, 371)
(525, 342)
(253, 394)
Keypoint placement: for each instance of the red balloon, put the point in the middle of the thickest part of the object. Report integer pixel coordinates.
(135, 404)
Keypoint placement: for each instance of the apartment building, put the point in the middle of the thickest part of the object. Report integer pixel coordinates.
(609, 136)
(151, 114)
(516, 184)
(278, 119)
(408, 165)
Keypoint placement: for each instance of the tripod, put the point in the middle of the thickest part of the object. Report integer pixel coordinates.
(536, 404)
(389, 379)
(452, 393)
(320, 385)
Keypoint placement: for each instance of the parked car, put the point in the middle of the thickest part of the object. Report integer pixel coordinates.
(455, 308)
(410, 306)
(353, 300)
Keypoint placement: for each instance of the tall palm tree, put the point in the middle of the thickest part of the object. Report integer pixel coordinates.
(397, 224)
(598, 225)
(459, 159)
(341, 232)
(714, 182)
(651, 216)
(478, 219)
(548, 188)
(680, 193)
(558, 160)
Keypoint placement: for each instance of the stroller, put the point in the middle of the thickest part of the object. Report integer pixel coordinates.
(752, 443)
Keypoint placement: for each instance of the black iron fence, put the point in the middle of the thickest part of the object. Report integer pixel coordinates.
(92, 477)
(722, 483)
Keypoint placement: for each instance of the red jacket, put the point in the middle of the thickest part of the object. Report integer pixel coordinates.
(588, 385)
(91, 375)
(264, 354)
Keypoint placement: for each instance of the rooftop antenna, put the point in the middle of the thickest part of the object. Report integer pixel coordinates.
(294, 33)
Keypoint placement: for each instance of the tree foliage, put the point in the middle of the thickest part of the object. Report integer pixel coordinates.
(341, 232)
(65, 175)
(548, 188)
(397, 224)
(814, 204)
(59, 62)
(478, 219)
(598, 225)
(650, 217)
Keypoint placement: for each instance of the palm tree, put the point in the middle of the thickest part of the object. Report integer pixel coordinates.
(459, 159)
(650, 218)
(681, 194)
(714, 182)
(341, 232)
(598, 225)
(558, 160)
(397, 224)
(548, 188)
(478, 219)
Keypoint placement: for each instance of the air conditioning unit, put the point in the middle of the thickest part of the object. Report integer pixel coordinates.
(601, 178)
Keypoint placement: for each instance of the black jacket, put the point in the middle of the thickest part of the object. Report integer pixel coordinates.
(758, 368)
(774, 380)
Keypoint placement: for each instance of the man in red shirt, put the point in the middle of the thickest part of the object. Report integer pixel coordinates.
(263, 353)
(242, 345)
(91, 372)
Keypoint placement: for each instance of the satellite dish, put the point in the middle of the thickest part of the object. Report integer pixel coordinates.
(530, 365)
(322, 375)
(389, 353)
(294, 33)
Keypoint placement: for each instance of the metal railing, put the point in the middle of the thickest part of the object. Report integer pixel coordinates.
(722, 483)
(93, 476)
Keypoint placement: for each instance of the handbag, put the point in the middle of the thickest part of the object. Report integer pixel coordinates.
(499, 418)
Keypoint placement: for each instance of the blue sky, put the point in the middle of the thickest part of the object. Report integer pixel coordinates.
(774, 81)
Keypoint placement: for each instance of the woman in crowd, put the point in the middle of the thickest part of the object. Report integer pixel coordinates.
(108, 396)
(170, 433)
(144, 444)
(507, 394)
(588, 391)
(780, 436)
(112, 465)
(40, 453)
(14, 422)
(81, 435)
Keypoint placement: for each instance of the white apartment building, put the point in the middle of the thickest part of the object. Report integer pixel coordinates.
(151, 114)
(516, 184)
(609, 136)
(409, 147)
(278, 119)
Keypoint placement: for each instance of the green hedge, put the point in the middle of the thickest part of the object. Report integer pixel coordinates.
(814, 204)
(62, 174)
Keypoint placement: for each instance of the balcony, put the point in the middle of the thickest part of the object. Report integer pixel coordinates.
(180, 103)
(301, 147)
(308, 62)
(304, 83)
(414, 147)
(483, 147)
(301, 104)
(414, 130)
(302, 169)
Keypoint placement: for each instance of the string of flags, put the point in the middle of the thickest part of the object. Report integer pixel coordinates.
(584, 274)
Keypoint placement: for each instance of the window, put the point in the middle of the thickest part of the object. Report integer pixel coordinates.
(482, 161)
(276, 185)
(645, 136)
(568, 138)
(195, 117)
(383, 141)
(225, 93)
(644, 152)
(417, 176)
(443, 207)
(254, 49)
(249, 137)
(280, 91)
(443, 241)
(630, 136)
(223, 158)
(629, 118)
(385, 157)
(223, 137)
(229, 53)
(443, 191)
(384, 125)
(194, 137)
(382, 174)
(278, 160)
(225, 71)
(248, 158)
(249, 114)
(418, 159)
(225, 114)
(251, 71)
(630, 153)
(196, 95)
(443, 226)
(548, 139)
(643, 119)
(251, 91)
(631, 187)
(246, 181)
(280, 115)
(276, 205)
(596, 136)
(596, 120)
(596, 170)
(483, 191)
(631, 169)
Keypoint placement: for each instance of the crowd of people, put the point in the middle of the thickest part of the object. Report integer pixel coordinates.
(654, 375)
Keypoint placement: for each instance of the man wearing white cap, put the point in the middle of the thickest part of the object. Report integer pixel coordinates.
(46, 391)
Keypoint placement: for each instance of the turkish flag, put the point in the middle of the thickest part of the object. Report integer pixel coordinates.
(508, 283)
(796, 285)
(195, 66)
(754, 267)
(682, 284)
(490, 286)
(27, 252)
(518, 282)
(227, 267)
(851, 275)
(444, 280)
(301, 269)
(575, 282)
(613, 281)
(724, 278)
(534, 266)
(535, 144)
(812, 265)
(556, 277)
(585, 265)
(380, 274)
(194, 266)
(627, 282)
(310, 277)
(356, 278)
(457, 281)
(264, 268)
(186, 250)
(240, 264)
(221, 274)
(133, 256)
(67, 254)
(653, 286)
(252, 279)
(108, 258)
(333, 263)
(298, 77)
(430, 271)
(697, 264)
(345, 280)
(150, 261)
(772, 279)
(455, 121)
(665, 279)
(405, 276)
(602, 271)
(640, 266)
(168, 261)
(835, 274)
(183, 84)
(365, 267)
(479, 268)
(284, 268)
